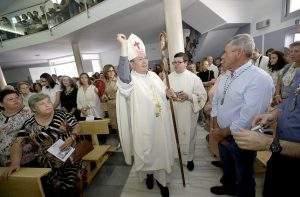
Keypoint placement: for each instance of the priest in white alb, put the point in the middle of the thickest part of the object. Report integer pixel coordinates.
(143, 114)
(189, 98)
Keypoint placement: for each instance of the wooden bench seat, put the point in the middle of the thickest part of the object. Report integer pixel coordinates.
(25, 182)
(96, 154)
(96, 158)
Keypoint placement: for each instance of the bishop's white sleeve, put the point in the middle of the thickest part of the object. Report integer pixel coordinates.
(125, 88)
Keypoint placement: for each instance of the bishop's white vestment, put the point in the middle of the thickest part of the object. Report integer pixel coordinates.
(145, 127)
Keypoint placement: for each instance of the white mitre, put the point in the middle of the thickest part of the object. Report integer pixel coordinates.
(136, 47)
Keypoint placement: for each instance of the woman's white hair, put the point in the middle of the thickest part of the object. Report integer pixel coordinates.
(33, 99)
(243, 41)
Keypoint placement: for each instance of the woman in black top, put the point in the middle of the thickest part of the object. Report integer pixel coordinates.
(205, 75)
(68, 96)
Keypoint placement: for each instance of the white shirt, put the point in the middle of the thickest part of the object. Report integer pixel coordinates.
(215, 69)
(262, 62)
(51, 92)
(90, 99)
(249, 95)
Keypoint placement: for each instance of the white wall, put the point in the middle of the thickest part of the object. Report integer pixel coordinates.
(232, 11)
(201, 21)
(213, 44)
(112, 57)
(269, 9)
(17, 74)
(153, 51)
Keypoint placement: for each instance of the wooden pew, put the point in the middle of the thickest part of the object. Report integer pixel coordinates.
(25, 182)
(96, 158)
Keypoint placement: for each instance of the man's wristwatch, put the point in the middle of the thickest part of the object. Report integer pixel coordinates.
(275, 146)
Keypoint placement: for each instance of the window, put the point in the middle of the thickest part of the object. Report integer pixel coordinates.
(293, 5)
(56, 1)
(68, 69)
(290, 9)
(297, 37)
(290, 38)
(36, 72)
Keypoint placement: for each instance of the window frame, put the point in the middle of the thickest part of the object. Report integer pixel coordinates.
(286, 15)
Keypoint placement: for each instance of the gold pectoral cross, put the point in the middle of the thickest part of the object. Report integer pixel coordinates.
(158, 109)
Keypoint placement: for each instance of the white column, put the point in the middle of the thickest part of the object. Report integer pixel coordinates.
(173, 20)
(2, 80)
(78, 59)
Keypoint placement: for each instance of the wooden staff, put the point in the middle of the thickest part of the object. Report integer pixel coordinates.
(166, 68)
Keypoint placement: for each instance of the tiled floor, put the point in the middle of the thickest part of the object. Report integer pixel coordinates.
(111, 178)
(114, 174)
(198, 182)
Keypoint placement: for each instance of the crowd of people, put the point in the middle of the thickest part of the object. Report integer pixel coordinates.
(240, 90)
(35, 116)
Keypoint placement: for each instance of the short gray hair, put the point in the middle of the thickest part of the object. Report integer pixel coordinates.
(244, 42)
(33, 99)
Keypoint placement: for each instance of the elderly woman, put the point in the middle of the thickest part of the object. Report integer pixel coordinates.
(41, 131)
(110, 93)
(12, 119)
(24, 89)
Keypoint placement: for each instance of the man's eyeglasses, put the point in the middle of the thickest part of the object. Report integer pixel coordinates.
(179, 62)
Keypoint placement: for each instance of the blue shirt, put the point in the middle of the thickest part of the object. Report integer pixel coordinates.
(288, 123)
(249, 94)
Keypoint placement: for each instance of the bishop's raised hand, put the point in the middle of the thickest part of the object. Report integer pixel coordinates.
(121, 38)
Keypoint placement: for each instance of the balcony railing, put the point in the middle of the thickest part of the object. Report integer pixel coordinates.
(41, 17)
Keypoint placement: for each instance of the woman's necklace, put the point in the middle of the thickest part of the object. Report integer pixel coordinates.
(68, 91)
(44, 122)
